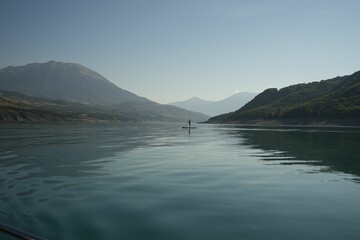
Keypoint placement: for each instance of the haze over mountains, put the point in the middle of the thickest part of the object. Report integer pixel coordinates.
(213, 108)
(86, 93)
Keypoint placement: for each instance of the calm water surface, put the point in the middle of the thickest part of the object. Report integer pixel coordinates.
(157, 181)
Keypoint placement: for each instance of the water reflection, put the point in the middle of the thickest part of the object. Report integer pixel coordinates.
(71, 150)
(141, 181)
(334, 149)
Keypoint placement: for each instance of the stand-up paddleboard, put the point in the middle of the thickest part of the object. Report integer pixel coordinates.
(189, 127)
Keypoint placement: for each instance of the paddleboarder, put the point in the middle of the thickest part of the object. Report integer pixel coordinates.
(189, 122)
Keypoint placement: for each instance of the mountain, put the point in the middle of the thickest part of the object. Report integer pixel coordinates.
(67, 81)
(213, 108)
(335, 100)
(84, 88)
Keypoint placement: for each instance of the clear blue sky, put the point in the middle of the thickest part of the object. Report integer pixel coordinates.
(169, 50)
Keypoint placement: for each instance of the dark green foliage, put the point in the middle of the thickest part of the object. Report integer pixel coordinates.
(263, 98)
(337, 98)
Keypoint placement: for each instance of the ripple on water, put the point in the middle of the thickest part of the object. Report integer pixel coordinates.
(109, 182)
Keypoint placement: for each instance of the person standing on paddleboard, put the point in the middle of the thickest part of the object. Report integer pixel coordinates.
(189, 122)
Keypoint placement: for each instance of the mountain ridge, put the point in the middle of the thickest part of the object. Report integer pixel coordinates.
(213, 108)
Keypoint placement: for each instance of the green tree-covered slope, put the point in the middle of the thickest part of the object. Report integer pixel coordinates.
(337, 98)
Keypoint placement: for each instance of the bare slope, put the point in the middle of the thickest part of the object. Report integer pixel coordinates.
(68, 81)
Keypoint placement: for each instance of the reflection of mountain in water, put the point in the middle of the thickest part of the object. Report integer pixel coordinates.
(335, 148)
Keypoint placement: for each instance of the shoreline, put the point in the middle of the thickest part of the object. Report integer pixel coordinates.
(295, 122)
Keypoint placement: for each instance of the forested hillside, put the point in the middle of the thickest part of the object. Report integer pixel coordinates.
(337, 98)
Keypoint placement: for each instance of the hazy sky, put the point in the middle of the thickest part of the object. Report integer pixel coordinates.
(170, 50)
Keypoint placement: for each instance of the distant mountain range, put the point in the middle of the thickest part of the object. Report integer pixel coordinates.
(213, 108)
(335, 101)
(80, 94)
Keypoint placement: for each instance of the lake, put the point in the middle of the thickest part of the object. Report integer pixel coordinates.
(158, 181)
